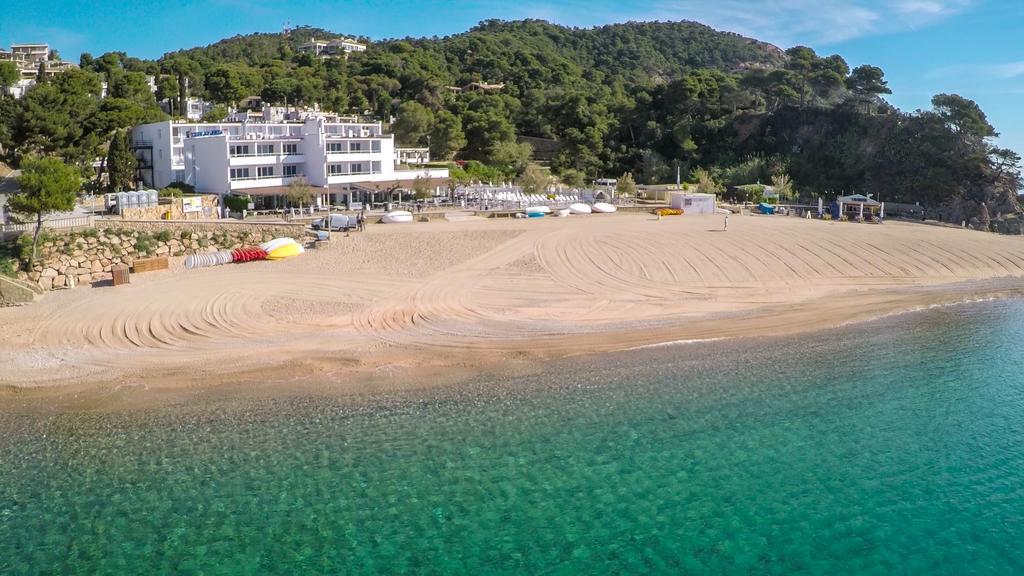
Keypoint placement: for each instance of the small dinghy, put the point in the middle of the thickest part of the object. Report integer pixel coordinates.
(397, 217)
(579, 208)
(276, 243)
(538, 210)
(285, 251)
(604, 208)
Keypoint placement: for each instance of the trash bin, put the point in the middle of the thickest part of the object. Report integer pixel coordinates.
(120, 274)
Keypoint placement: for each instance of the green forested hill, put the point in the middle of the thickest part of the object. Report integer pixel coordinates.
(255, 49)
(647, 98)
(531, 53)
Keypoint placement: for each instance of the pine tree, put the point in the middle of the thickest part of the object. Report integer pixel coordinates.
(121, 163)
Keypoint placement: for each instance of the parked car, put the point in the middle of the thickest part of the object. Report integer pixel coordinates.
(339, 222)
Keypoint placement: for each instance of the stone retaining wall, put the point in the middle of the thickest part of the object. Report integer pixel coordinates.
(293, 230)
(77, 258)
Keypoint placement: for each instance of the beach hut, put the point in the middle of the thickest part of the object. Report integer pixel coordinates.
(860, 207)
(693, 203)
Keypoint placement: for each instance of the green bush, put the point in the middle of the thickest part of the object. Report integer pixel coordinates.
(748, 193)
(91, 233)
(144, 243)
(237, 203)
(9, 266)
(10, 260)
(177, 190)
(163, 235)
(24, 247)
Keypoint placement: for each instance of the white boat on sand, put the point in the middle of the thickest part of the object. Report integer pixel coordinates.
(397, 217)
(538, 210)
(579, 208)
(603, 208)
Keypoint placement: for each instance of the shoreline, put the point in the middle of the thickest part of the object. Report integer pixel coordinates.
(401, 308)
(370, 386)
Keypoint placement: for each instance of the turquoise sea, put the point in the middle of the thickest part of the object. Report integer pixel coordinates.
(890, 447)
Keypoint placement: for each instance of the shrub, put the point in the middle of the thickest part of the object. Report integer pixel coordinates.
(177, 190)
(748, 193)
(91, 233)
(144, 244)
(9, 266)
(163, 235)
(9, 258)
(24, 247)
(237, 203)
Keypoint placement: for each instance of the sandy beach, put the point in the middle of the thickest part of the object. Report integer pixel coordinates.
(402, 303)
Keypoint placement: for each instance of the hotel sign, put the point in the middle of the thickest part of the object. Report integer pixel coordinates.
(193, 204)
(203, 133)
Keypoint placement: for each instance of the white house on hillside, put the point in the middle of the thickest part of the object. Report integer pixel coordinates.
(327, 48)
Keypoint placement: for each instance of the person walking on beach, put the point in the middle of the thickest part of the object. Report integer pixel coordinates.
(725, 223)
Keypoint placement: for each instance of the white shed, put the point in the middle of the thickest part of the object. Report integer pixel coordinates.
(692, 203)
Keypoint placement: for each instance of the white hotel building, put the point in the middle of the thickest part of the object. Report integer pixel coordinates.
(342, 162)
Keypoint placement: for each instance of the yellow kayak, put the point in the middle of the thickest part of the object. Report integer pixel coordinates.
(285, 251)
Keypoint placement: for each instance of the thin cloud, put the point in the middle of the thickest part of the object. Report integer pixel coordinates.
(819, 22)
(1000, 71)
(1009, 70)
(59, 38)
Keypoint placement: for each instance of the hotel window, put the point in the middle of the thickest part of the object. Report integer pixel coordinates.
(357, 169)
(375, 166)
(240, 150)
(239, 173)
(291, 170)
(336, 148)
(265, 149)
(375, 146)
(291, 148)
(355, 147)
(334, 169)
(265, 171)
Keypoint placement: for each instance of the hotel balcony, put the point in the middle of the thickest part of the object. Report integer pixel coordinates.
(263, 181)
(357, 156)
(264, 159)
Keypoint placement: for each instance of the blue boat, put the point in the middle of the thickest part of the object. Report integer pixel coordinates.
(766, 208)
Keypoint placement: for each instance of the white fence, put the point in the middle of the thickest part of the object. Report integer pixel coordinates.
(9, 230)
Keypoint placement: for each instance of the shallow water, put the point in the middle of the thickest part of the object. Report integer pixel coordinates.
(896, 446)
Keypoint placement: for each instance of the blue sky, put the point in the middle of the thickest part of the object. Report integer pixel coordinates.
(970, 47)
